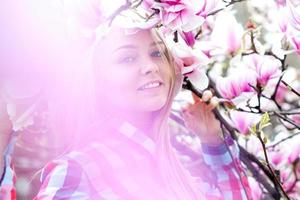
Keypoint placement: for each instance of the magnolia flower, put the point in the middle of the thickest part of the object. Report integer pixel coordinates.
(293, 15)
(265, 67)
(243, 121)
(177, 14)
(294, 152)
(296, 119)
(276, 157)
(281, 19)
(289, 23)
(281, 93)
(280, 2)
(227, 33)
(192, 63)
(296, 43)
(208, 6)
(189, 38)
(290, 150)
(237, 87)
(148, 4)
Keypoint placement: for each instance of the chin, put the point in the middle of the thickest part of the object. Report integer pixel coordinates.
(153, 104)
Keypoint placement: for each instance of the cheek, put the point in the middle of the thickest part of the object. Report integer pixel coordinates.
(166, 74)
(119, 87)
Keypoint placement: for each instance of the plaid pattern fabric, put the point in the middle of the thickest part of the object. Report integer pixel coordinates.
(231, 181)
(125, 168)
(7, 189)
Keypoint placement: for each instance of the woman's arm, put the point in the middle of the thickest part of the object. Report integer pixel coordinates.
(224, 161)
(7, 189)
(220, 156)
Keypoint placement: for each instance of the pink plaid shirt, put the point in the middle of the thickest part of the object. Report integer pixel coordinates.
(130, 171)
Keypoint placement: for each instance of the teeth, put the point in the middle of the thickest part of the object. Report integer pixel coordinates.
(150, 85)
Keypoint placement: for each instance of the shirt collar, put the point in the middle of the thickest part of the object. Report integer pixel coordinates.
(137, 136)
(128, 130)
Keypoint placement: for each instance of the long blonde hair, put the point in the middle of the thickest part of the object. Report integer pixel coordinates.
(73, 115)
(175, 176)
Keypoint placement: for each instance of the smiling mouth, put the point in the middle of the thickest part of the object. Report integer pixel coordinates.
(150, 85)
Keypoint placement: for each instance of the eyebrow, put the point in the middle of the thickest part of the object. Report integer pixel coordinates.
(129, 46)
(156, 43)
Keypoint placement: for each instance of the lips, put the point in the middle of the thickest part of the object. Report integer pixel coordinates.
(151, 85)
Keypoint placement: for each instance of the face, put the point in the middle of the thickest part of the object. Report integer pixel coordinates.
(132, 73)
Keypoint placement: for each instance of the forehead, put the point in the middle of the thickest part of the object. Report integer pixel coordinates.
(118, 37)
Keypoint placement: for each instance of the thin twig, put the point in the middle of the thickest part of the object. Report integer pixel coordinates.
(290, 88)
(229, 4)
(275, 179)
(287, 120)
(267, 170)
(260, 179)
(284, 139)
(273, 97)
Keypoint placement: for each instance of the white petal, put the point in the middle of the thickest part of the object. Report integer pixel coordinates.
(199, 79)
(242, 98)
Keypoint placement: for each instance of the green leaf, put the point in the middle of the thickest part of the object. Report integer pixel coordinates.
(265, 139)
(253, 129)
(265, 125)
(265, 121)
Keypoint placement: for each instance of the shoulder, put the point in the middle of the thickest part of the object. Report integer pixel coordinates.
(64, 178)
(76, 175)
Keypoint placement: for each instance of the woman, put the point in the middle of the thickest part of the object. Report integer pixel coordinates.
(119, 117)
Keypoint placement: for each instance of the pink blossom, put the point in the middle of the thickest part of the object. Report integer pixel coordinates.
(282, 90)
(265, 67)
(293, 150)
(207, 6)
(227, 33)
(147, 4)
(294, 155)
(236, 85)
(289, 23)
(296, 119)
(276, 157)
(243, 121)
(189, 38)
(196, 75)
(192, 62)
(284, 175)
(281, 2)
(296, 43)
(178, 14)
(294, 15)
(288, 185)
(282, 19)
(186, 15)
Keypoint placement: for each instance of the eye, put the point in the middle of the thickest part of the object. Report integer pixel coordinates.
(127, 60)
(156, 54)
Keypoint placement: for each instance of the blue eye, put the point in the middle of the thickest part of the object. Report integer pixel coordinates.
(156, 54)
(128, 59)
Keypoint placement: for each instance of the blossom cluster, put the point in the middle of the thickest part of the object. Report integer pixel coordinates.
(250, 61)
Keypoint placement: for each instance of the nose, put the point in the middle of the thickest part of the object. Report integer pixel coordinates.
(149, 67)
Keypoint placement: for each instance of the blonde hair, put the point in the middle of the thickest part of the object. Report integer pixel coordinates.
(80, 88)
(175, 176)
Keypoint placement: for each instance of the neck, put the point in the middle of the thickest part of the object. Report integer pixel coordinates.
(143, 121)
